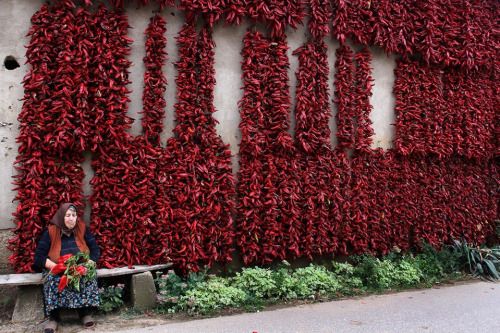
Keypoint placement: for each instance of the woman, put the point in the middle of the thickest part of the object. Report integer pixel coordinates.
(66, 234)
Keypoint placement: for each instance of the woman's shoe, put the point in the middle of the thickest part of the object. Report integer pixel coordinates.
(88, 321)
(50, 326)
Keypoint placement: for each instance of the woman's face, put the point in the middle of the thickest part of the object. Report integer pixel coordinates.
(70, 218)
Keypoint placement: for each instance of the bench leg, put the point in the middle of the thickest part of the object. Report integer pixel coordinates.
(143, 291)
(29, 304)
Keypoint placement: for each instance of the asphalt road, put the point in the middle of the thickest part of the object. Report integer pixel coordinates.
(472, 307)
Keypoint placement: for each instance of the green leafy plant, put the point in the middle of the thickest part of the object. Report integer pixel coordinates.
(313, 281)
(394, 271)
(349, 282)
(284, 282)
(257, 282)
(253, 288)
(111, 298)
(209, 296)
(481, 262)
(408, 274)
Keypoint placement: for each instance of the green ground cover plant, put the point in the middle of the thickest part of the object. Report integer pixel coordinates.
(111, 298)
(255, 287)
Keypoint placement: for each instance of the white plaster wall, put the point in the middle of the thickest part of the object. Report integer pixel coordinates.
(15, 16)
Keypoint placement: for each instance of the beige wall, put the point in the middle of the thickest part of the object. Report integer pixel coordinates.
(15, 16)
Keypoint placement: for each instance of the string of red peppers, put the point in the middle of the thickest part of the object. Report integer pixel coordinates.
(267, 183)
(48, 171)
(451, 33)
(127, 171)
(344, 97)
(321, 178)
(120, 178)
(363, 91)
(444, 112)
(126, 181)
(155, 81)
(321, 16)
(198, 185)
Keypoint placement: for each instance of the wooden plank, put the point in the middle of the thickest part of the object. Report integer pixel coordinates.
(36, 278)
(21, 279)
(104, 272)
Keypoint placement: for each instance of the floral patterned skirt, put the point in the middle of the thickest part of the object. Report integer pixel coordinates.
(88, 296)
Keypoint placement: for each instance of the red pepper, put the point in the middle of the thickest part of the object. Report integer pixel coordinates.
(62, 259)
(81, 270)
(62, 283)
(58, 269)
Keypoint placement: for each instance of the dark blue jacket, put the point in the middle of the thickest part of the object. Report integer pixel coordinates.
(68, 245)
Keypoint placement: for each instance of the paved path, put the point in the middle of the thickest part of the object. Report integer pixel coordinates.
(472, 307)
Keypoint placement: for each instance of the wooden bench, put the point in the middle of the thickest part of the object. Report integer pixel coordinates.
(29, 303)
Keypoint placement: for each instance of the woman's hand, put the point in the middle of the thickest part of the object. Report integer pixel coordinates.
(49, 264)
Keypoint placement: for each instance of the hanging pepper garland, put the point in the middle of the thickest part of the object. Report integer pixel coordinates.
(108, 92)
(320, 196)
(130, 165)
(267, 183)
(250, 174)
(321, 16)
(220, 197)
(154, 80)
(126, 217)
(344, 97)
(438, 185)
(198, 185)
(49, 171)
(475, 102)
(114, 165)
(419, 110)
(362, 106)
(450, 33)
(370, 197)
(276, 14)
(444, 113)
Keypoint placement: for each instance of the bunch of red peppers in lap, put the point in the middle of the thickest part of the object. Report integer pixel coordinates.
(73, 270)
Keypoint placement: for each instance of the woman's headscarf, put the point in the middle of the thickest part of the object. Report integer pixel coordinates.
(58, 218)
